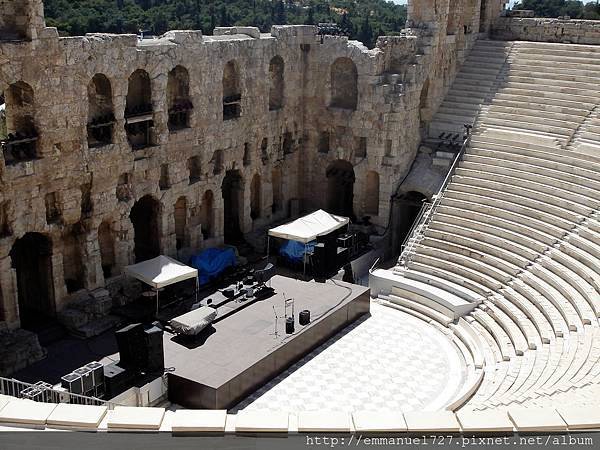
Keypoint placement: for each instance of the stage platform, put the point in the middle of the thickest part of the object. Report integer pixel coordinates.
(240, 353)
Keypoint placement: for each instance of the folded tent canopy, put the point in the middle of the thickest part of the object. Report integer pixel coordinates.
(160, 272)
(306, 229)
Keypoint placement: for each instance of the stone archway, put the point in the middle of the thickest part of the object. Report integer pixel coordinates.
(408, 206)
(31, 258)
(233, 202)
(180, 215)
(340, 188)
(145, 217)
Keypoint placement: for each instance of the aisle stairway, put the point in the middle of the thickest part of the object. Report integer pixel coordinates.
(516, 233)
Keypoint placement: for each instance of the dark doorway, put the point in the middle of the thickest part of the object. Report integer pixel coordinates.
(340, 188)
(32, 259)
(233, 192)
(408, 207)
(145, 218)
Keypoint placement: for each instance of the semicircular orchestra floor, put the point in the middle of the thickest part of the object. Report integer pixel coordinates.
(387, 361)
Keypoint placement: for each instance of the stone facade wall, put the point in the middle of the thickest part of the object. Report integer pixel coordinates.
(547, 30)
(70, 189)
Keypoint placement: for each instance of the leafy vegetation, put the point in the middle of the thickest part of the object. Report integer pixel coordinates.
(362, 19)
(556, 8)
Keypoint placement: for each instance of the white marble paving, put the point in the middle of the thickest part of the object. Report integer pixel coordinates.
(388, 361)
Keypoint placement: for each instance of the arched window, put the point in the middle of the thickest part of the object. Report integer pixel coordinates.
(20, 140)
(100, 111)
(344, 84)
(276, 91)
(372, 193)
(232, 94)
(138, 110)
(178, 98)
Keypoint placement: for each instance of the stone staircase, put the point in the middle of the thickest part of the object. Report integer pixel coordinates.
(516, 233)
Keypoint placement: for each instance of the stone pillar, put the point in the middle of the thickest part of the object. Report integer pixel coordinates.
(160, 107)
(124, 244)
(93, 277)
(8, 292)
(58, 276)
(245, 219)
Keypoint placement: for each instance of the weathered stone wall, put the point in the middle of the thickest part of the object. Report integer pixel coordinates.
(72, 189)
(547, 30)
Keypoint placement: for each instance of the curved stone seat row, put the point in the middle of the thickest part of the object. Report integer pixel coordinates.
(518, 223)
(26, 414)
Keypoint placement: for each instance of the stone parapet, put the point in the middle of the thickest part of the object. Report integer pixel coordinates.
(565, 31)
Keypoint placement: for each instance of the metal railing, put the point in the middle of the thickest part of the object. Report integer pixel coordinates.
(44, 392)
(425, 215)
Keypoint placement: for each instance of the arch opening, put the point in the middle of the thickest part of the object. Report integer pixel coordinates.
(106, 242)
(276, 182)
(101, 118)
(178, 98)
(344, 84)
(180, 215)
(145, 216)
(138, 110)
(72, 261)
(255, 198)
(232, 94)
(31, 257)
(207, 215)
(276, 92)
(408, 206)
(340, 188)
(372, 194)
(18, 133)
(233, 202)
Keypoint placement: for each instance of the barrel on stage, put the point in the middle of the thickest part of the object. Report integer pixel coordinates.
(304, 318)
(289, 325)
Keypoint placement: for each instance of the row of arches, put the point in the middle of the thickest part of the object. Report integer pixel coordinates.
(20, 104)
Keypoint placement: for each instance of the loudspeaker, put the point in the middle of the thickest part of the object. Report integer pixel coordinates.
(87, 378)
(289, 325)
(117, 380)
(304, 317)
(97, 372)
(343, 257)
(72, 383)
(130, 341)
(155, 357)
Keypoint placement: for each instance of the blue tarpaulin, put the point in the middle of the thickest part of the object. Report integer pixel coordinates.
(212, 262)
(294, 250)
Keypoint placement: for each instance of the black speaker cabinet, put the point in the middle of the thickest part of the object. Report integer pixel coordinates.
(117, 380)
(304, 317)
(87, 378)
(155, 357)
(289, 325)
(97, 372)
(131, 344)
(73, 383)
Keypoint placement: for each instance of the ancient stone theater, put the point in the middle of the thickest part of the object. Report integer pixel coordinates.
(465, 150)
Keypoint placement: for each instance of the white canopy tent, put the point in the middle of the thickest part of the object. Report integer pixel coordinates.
(160, 272)
(306, 229)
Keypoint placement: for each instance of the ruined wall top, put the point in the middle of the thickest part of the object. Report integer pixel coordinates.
(566, 31)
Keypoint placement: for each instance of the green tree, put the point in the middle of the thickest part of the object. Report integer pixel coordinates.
(365, 35)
